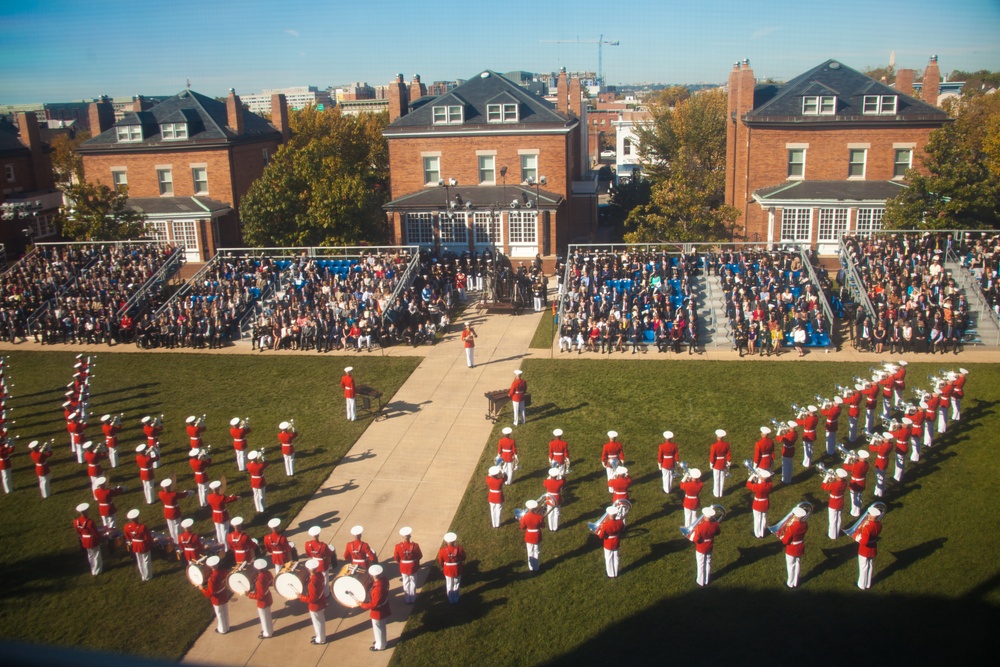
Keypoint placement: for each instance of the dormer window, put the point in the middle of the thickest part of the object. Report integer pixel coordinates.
(501, 113)
(173, 131)
(879, 104)
(129, 133)
(819, 105)
(451, 114)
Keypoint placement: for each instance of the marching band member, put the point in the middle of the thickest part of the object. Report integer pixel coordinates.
(6, 451)
(835, 486)
(887, 381)
(111, 426)
(358, 551)
(468, 340)
(610, 531)
(195, 427)
(239, 429)
(218, 500)
(316, 598)
(261, 593)
(719, 458)
(190, 543)
(916, 415)
(558, 452)
(831, 411)
(286, 436)
(347, 382)
(531, 523)
(946, 388)
(277, 545)
(957, 394)
(793, 534)
(258, 483)
(145, 458)
(450, 558)
(199, 461)
(620, 484)
(881, 446)
(901, 434)
(703, 536)
(553, 497)
(809, 422)
(171, 506)
(90, 539)
(495, 480)
(691, 486)
(93, 456)
(152, 428)
(507, 453)
(868, 547)
(666, 458)
(40, 455)
(76, 426)
(217, 592)
(377, 605)
(899, 382)
(858, 467)
(105, 496)
(870, 392)
(240, 543)
(763, 450)
(787, 435)
(518, 388)
(321, 551)
(853, 402)
(932, 400)
(407, 555)
(140, 543)
(760, 486)
(612, 455)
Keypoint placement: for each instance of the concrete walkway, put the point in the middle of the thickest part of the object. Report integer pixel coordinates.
(411, 469)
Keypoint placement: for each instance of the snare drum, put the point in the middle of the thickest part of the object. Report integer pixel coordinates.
(239, 582)
(197, 573)
(163, 544)
(351, 579)
(292, 582)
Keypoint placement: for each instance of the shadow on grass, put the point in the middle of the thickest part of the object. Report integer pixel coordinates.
(52, 572)
(546, 410)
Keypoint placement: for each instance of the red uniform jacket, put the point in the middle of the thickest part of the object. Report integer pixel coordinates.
(347, 382)
(104, 496)
(887, 383)
(378, 603)
(262, 589)
(76, 431)
(194, 432)
(200, 468)
(871, 395)
(808, 424)
(959, 387)
(832, 415)
(286, 438)
(704, 534)
(612, 450)
(692, 489)
(145, 463)
(40, 458)
(218, 503)
(881, 450)
(558, 451)
(902, 436)
(139, 538)
(87, 530)
(495, 486)
(450, 558)
(787, 441)
(610, 531)
(239, 437)
(853, 403)
(836, 489)
(666, 455)
(256, 470)
(191, 545)
(215, 589)
(241, 545)
(507, 449)
(619, 487)
(277, 545)
(152, 434)
(899, 379)
(553, 491)
(719, 454)
(315, 595)
(468, 338)
(6, 451)
(917, 430)
(321, 551)
(518, 388)
(93, 460)
(171, 503)
(407, 555)
(531, 524)
(761, 494)
(763, 453)
(868, 538)
(359, 553)
(793, 536)
(859, 475)
(946, 395)
(111, 434)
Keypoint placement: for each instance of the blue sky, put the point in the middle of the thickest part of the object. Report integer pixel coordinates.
(61, 50)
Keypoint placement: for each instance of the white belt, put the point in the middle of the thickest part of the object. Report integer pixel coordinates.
(799, 542)
(407, 561)
(277, 553)
(857, 479)
(86, 535)
(256, 477)
(170, 507)
(686, 497)
(238, 440)
(836, 497)
(241, 551)
(505, 451)
(532, 530)
(759, 500)
(144, 469)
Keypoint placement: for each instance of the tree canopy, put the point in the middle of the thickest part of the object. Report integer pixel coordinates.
(67, 165)
(325, 187)
(99, 213)
(684, 154)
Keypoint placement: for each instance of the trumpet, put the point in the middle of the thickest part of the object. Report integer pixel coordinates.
(200, 420)
(518, 512)
(776, 528)
(683, 468)
(261, 450)
(828, 474)
(797, 409)
(751, 469)
(621, 509)
(858, 380)
(842, 390)
(846, 454)
(854, 532)
(688, 531)
(820, 400)
(291, 424)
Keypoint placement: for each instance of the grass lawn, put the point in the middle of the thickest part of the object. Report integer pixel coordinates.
(48, 594)
(937, 577)
(545, 332)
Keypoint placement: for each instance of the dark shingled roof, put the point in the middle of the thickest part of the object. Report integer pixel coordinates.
(10, 141)
(834, 191)
(783, 102)
(206, 118)
(482, 197)
(474, 95)
(179, 206)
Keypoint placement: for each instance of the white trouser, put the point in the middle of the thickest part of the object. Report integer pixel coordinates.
(8, 480)
(956, 409)
(897, 474)
(222, 616)
(538, 303)
(897, 397)
(202, 493)
(690, 516)
(470, 353)
(759, 523)
(915, 442)
(831, 443)
(113, 456)
(534, 555)
(792, 565)
(565, 343)
(508, 469)
(451, 587)
(928, 432)
(172, 525)
(155, 453)
(145, 563)
(94, 558)
(786, 469)
(365, 341)
(886, 406)
(241, 460)
(43, 485)
(852, 430)
(834, 522)
(318, 619)
(718, 482)
(289, 464)
(870, 419)
(221, 530)
(668, 479)
(611, 562)
(856, 503)
(553, 518)
(865, 567)
(879, 483)
(495, 509)
(93, 485)
(703, 568)
(378, 627)
(266, 624)
(351, 409)
(147, 490)
(942, 419)
(108, 521)
(77, 448)
(610, 468)
(259, 499)
(519, 412)
(807, 453)
(409, 587)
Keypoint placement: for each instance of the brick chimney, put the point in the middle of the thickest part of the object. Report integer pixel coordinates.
(904, 81)
(575, 96)
(417, 89)
(399, 98)
(31, 137)
(562, 92)
(932, 82)
(234, 113)
(741, 91)
(140, 103)
(101, 115)
(279, 116)
(732, 119)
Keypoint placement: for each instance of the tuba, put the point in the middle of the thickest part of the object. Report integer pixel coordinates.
(518, 512)
(688, 531)
(807, 506)
(622, 508)
(854, 532)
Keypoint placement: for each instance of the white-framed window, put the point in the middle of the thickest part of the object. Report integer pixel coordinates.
(487, 169)
(453, 228)
(493, 113)
(119, 177)
(529, 167)
(45, 225)
(420, 228)
(510, 113)
(432, 169)
(200, 177)
(186, 235)
(814, 105)
(166, 180)
(158, 231)
(129, 133)
(522, 227)
(796, 163)
(796, 224)
(174, 131)
(870, 219)
(856, 162)
(902, 161)
(451, 114)
(832, 224)
(486, 226)
(626, 146)
(879, 104)
(8, 170)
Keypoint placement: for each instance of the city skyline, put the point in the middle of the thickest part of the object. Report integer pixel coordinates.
(59, 50)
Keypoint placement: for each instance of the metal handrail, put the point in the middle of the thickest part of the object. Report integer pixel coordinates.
(26, 258)
(161, 275)
(188, 285)
(855, 284)
(823, 301)
(971, 285)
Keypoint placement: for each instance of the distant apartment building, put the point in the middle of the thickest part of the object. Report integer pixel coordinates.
(358, 90)
(28, 198)
(296, 97)
(358, 107)
(627, 160)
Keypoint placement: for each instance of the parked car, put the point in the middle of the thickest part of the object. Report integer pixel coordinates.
(608, 154)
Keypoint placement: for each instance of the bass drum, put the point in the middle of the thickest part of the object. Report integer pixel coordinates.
(354, 580)
(197, 573)
(239, 583)
(292, 582)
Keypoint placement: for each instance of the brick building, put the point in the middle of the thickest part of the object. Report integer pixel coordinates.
(467, 168)
(28, 196)
(819, 155)
(187, 163)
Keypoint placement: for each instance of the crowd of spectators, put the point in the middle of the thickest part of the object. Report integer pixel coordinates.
(980, 253)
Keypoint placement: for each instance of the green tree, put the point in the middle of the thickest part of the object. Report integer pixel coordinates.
(98, 213)
(684, 154)
(961, 189)
(67, 165)
(887, 72)
(326, 186)
(672, 96)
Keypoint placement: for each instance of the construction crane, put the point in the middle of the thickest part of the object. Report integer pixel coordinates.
(600, 51)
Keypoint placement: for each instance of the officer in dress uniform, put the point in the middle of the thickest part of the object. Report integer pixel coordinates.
(793, 535)
(140, 542)
(347, 382)
(239, 430)
(666, 458)
(553, 484)
(558, 451)
(357, 551)
(703, 536)
(90, 539)
(531, 523)
(495, 480)
(216, 590)
(719, 458)
(507, 452)
(407, 555)
(377, 606)
(286, 436)
(518, 388)
(261, 593)
(450, 558)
